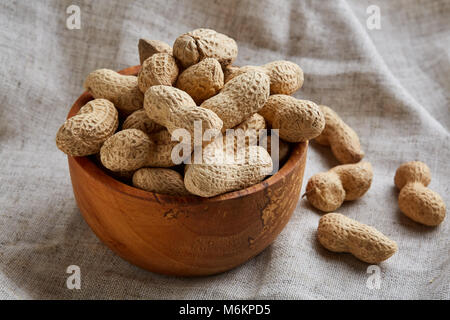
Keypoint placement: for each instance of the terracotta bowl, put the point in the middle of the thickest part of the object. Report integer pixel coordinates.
(185, 236)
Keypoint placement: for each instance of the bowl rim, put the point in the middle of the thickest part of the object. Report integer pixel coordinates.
(89, 167)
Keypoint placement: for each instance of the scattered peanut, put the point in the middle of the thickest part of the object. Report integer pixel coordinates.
(285, 77)
(147, 48)
(342, 139)
(192, 47)
(240, 98)
(415, 200)
(122, 91)
(339, 233)
(84, 133)
(202, 80)
(139, 120)
(327, 190)
(174, 109)
(158, 180)
(297, 120)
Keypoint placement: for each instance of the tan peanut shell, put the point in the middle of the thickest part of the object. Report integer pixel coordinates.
(202, 80)
(159, 180)
(122, 91)
(139, 120)
(147, 48)
(192, 47)
(339, 233)
(159, 69)
(415, 200)
(127, 150)
(342, 139)
(161, 150)
(286, 77)
(215, 175)
(255, 122)
(85, 133)
(297, 120)
(327, 191)
(174, 109)
(240, 98)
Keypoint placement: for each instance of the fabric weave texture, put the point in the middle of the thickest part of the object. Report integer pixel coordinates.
(391, 85)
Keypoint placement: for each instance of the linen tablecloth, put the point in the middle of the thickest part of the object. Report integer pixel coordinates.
(388, 78)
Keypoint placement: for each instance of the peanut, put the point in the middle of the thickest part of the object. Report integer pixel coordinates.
(122, 91)
(192, 47)
(147, 48)
(215, 176)
(342, 139)
(160, 68)
(84, 133)
(415, 200)
(161, 150)
(240, 98)
(327, 191)
(202, 80)
(127, 150)
(139, 120)
(286, 77)
(174, 108)
(297, 120)
(339, 233)
(158, 180)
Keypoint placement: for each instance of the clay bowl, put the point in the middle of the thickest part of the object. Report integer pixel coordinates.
(185, 236)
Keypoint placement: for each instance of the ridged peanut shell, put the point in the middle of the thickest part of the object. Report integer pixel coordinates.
(199, 44)
(212, 178)
(161, 150)
(139, 120)
(148, 48)
(339, 233)
(202, 80)
(286, 77)
(240, 98)
(327, 191)
(413, 171)
(159, 69)
(126, 150)
(342, 139)
(422, 204)
(174, 109)
(165, 181)
(122, 91)
(85, 133)
(297, 120)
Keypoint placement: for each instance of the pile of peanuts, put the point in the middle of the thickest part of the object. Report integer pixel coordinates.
(196, 81)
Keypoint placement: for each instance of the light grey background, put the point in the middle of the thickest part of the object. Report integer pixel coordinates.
(391, 85)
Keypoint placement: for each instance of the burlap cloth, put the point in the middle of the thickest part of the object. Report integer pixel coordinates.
(391, 85)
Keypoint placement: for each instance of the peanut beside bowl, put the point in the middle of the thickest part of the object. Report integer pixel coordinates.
(185, 235)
